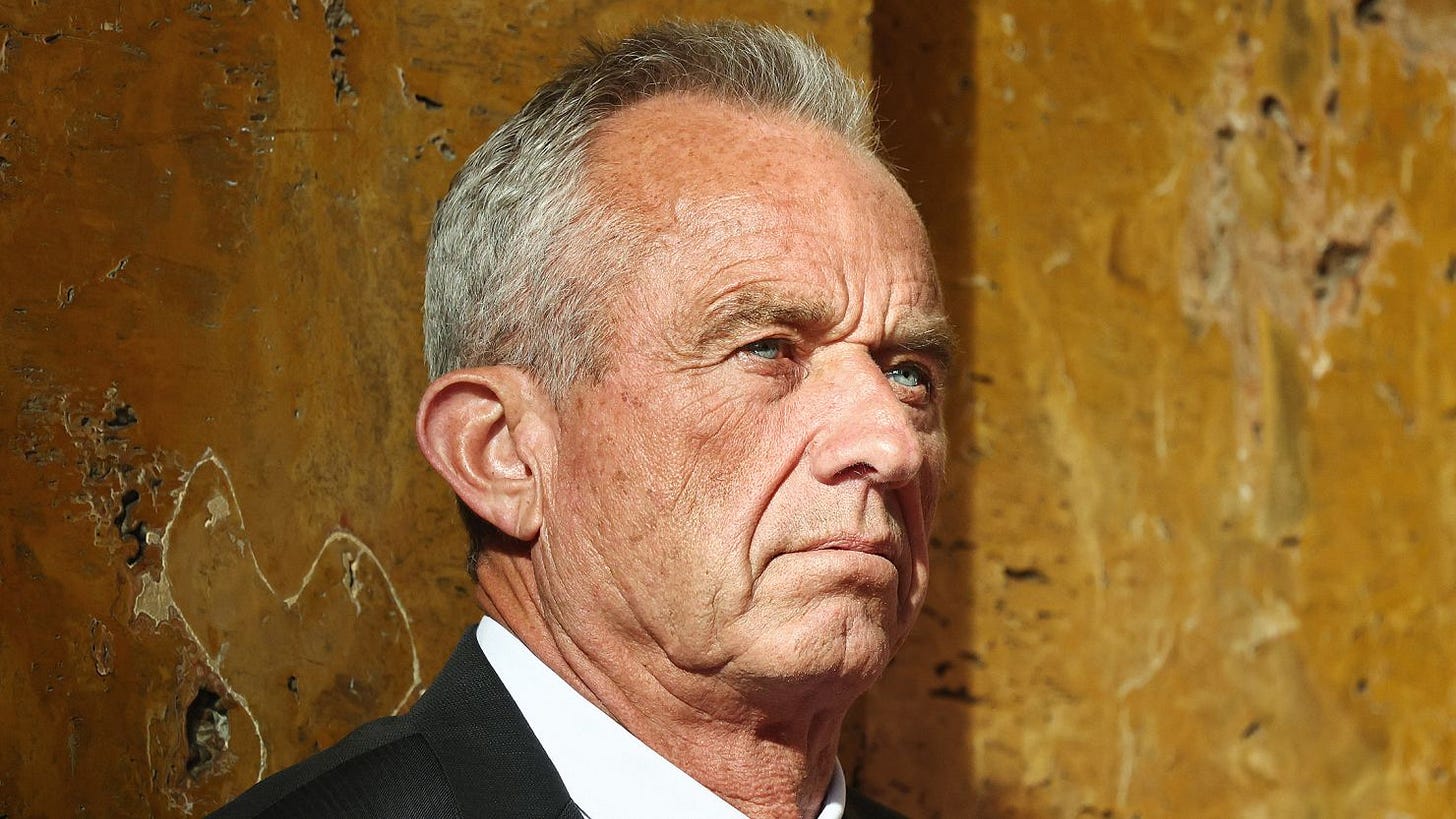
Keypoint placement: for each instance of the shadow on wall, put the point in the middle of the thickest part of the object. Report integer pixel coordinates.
(910, 742)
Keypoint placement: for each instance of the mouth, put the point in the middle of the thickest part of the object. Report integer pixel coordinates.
(885, 547)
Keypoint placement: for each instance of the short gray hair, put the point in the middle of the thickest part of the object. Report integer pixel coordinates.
(500, 285)
(508, 280)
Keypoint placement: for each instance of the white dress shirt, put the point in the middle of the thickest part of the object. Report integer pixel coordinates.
(609, 773)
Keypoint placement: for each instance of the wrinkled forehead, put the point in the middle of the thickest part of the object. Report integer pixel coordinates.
(741, 187)
(694, 138)
(680, 147)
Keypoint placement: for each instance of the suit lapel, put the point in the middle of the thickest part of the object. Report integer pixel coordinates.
(494, 764)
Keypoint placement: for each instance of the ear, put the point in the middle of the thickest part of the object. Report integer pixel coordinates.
(485, 430)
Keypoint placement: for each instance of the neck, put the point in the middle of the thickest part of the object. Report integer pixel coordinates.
(769, 756)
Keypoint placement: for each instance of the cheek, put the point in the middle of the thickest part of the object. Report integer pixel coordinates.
(936, 448)
(722, 440)
(706, 440)
(659, 468)
(657, 498)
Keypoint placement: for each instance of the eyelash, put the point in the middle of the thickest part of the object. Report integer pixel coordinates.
(783, 348)
(781, 345)
(921, 372)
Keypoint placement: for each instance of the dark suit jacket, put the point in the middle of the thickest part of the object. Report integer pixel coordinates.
(464, 750)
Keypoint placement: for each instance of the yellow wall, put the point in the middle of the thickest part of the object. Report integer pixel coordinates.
(1199, 544)
(1205, 495)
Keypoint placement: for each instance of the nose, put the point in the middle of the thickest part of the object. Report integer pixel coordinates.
(867, 432)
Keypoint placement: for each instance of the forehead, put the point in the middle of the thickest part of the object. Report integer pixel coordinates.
(730, 197)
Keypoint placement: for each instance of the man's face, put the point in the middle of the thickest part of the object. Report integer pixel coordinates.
(748, 489)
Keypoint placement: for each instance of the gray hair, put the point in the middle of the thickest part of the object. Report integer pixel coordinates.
(502, 285)
(508, 279)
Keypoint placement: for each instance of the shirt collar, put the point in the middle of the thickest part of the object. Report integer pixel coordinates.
(609, 772)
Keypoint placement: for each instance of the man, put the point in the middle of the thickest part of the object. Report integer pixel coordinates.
(688, 352)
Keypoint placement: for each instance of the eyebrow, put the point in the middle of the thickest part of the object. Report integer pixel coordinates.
(928, 334)
(754, 309)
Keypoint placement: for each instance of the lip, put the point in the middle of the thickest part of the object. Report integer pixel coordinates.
(879, 547)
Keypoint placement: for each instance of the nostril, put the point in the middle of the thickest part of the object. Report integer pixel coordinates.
(871, 439)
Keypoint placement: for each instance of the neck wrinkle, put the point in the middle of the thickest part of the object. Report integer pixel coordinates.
(767, 768)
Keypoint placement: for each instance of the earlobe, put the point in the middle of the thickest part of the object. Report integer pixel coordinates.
(480, 429)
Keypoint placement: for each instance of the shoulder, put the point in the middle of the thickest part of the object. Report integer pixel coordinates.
(385, 768)
(859, 806)
(463, 747)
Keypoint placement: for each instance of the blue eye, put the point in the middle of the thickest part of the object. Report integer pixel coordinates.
(768, 349)
(909, 375)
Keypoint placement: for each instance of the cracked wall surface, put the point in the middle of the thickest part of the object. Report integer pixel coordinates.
(1203, 493)
(221, 550)
(1198, 547)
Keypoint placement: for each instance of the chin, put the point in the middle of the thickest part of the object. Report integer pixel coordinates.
(835, 647)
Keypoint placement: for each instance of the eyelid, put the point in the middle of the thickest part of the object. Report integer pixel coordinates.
(934, 376)
(765, 334)
(793, 349)
(787, 347)
(929, 364)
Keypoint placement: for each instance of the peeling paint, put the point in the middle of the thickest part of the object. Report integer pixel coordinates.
(154, 600)
(342, 29)
(103, 648)
(218, 510)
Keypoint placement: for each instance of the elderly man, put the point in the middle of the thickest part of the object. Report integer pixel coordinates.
(688, 352)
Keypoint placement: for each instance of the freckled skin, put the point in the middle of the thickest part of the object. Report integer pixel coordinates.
(694, 484)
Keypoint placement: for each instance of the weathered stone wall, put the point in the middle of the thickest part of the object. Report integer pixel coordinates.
(220, 548)
(1198, 553)
(1204, 498)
